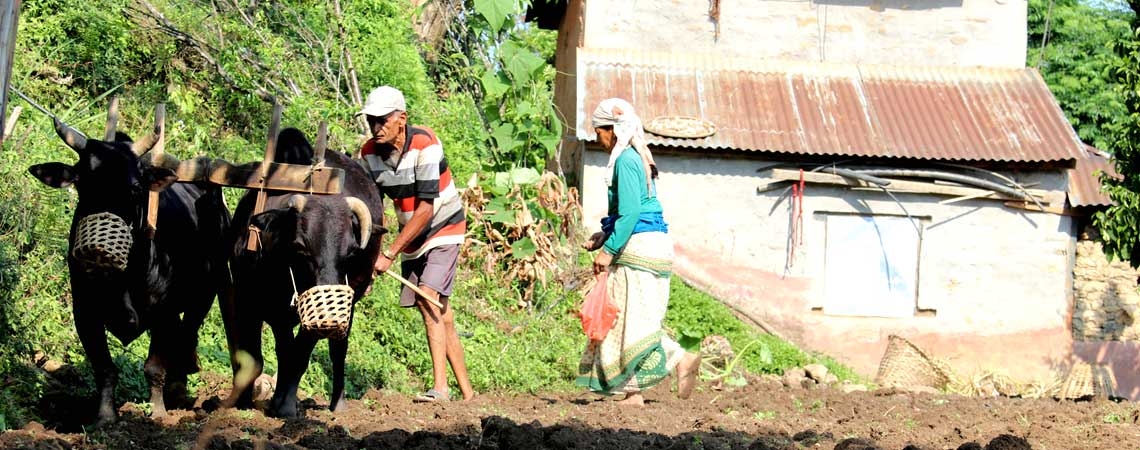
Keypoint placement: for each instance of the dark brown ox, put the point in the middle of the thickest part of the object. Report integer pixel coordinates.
(304, 242)
(127, 278)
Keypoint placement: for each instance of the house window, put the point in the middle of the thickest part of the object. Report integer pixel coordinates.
(871, 265)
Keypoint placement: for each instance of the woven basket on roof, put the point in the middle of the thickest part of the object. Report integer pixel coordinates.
(326, 310)
(683, 127)
(906, 366)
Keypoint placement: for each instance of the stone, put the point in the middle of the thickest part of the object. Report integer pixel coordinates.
(849, 388)
(793, 377)
(263, 387)
(817, 372)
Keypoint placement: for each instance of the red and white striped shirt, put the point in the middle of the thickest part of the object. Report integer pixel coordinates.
(419, 172)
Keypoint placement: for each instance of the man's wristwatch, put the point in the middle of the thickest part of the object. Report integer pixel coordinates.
(386, 255)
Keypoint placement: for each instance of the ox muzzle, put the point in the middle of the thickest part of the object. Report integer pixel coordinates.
(102, 243)
(325, 310)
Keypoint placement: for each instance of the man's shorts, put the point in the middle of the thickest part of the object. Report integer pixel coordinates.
(435, 269)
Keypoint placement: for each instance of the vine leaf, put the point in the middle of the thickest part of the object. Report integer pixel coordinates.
(495, 84)
(495, 11)
(520, 62)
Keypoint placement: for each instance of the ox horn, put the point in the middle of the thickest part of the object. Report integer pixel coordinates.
(364, 216)
(144, 145)
(297, 202)
(74, 139)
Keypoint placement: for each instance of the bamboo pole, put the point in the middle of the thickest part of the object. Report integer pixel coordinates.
(156, 152)
(263, 172)
(112, 120)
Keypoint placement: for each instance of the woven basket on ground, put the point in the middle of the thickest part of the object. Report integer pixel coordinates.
(906, 366)
(102, 241)
(326, 310)
(1085, 381)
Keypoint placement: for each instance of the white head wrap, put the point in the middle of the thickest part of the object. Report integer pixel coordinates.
(620, 114)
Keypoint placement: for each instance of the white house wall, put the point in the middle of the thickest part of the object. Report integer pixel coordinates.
(920, 32)
(989, 277)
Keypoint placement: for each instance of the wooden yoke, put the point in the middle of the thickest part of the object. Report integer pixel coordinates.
(251, 243)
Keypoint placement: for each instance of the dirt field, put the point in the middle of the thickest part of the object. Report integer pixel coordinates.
(762, 415)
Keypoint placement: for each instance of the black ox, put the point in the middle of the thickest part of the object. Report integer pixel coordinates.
(127, 278)
(302, 241)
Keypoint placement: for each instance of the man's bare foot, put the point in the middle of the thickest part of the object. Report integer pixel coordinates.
(687, 371)
(632, 399)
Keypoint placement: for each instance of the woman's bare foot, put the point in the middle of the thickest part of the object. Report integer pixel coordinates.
(687, 371)
(634, 399)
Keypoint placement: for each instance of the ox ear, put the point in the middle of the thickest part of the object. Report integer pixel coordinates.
(275, 224)
(158, 178)
(54, 174)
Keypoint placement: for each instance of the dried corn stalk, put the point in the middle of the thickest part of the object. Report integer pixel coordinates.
(524, 245)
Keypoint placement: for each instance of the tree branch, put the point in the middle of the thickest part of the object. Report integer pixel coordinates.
(201, 48)
(353, 83)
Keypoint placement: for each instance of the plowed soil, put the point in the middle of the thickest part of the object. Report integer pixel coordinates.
(764, 414)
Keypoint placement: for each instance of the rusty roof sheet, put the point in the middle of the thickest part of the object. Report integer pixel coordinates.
(1084, 178)
(931, 113)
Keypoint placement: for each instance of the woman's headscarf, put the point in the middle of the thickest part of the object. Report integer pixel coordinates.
(628, 130)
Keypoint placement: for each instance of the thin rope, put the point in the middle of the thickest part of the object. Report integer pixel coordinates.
(293, 302)
(38, 107)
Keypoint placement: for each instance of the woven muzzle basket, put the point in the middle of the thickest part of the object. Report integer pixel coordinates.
(326, 310)
(102, 241)
(905, 366)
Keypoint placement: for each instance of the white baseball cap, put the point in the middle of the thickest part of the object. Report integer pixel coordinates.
(382, 101)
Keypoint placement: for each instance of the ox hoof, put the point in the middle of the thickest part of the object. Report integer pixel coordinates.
(283, 412)
(282, 409)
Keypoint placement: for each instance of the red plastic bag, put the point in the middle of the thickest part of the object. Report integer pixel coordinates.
(598, 314)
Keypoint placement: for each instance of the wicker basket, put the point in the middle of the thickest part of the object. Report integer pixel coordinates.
(906, 366)
(1078, 383)
(102, 241)
(326, 310)
(1086, 381)
(683, 127)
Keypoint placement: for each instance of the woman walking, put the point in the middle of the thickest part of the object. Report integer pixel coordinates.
(637, 252)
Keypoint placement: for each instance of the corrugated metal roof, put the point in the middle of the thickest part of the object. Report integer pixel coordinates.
(1084, 178)
(934, 113)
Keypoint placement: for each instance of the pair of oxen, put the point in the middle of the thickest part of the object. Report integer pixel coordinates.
(128, 278)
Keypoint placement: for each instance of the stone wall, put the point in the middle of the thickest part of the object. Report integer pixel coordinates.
(1106, 300)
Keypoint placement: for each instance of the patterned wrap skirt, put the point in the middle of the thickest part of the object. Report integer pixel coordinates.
(636, 354)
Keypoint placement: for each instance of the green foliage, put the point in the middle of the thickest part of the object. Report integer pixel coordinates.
(1118, 225)
(1076, 61)
(508, 72)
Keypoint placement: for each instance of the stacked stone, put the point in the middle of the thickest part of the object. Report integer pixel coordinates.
(1106, 298)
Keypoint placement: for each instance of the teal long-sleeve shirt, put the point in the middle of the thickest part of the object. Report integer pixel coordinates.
(628, 199)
